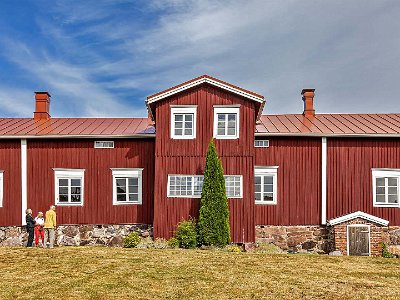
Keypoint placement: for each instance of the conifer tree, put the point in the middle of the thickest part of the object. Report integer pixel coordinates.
(213, 225)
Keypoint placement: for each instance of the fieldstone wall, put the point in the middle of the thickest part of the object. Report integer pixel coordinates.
(317, 239)
(376, 236)
(79, 235)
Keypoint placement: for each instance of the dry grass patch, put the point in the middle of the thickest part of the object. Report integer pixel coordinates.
(109, 273)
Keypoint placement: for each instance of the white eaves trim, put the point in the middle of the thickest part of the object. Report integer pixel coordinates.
(361, 215)
(83, 136)
(201, 81)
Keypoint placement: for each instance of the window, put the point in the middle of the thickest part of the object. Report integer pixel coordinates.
(265, 185)
(127, 186)
(190, 186)
(261, 143)
(69, 186)
(1, 188)
(386, 189)
(226, 122)
(183, 122)
(104, 144)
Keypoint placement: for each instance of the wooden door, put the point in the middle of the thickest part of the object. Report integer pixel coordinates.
(358, 240)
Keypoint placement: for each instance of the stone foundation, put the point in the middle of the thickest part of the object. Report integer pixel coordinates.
(79, 235)
(317, 239)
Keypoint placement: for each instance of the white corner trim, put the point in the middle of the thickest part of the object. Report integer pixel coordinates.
(24, 179)
(1, 187)
(201, 81)
(361, 215)
(324, 155)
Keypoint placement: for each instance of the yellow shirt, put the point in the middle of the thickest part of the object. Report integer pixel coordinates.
(50, 219)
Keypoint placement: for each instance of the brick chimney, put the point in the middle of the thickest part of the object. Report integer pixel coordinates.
(42, 111)
(308, 98)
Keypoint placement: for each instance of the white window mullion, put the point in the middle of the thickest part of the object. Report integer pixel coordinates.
(386, 190)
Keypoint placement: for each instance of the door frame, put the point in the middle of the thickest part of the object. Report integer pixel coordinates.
(369, 236)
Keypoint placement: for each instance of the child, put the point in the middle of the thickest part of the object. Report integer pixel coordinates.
(39, 232)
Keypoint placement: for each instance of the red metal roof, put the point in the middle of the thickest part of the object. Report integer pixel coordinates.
(329, 124)
(293, 124)
(80, 127)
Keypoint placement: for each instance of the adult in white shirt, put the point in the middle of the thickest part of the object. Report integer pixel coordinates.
(39, 231)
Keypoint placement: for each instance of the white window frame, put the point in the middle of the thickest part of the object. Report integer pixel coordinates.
(183, 109)
(227, 109)
(1, 187)
(127, 173)
(69, 174)
(265, 143)
(192, 187)
(267, 171)
(379, 173)
(102, 147)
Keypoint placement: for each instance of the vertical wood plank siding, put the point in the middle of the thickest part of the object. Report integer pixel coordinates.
(188, 157)
(10, 164)
(350, 161)
(98, 208)
(299, 181)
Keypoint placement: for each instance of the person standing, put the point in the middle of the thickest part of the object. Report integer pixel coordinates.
(30, 225)
(49, 225)
(39, 231)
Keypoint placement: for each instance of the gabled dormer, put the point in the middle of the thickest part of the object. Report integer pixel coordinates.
(188, 115)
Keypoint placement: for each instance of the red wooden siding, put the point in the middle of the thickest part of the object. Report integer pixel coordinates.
(10, 163)
(44, 155)
(349, 174)
(299, 181)
(188, 157)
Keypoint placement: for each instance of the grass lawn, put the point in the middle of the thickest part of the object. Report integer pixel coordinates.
(110, 273)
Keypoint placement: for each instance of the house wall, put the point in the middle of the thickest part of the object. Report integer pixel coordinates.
(349, 175)
(188, 157)
(10, 164)
(299, 181)
(98, 208)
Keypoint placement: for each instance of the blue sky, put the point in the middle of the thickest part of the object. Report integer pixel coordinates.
(102, 58)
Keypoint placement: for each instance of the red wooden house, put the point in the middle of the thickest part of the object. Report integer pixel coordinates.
(302, 181)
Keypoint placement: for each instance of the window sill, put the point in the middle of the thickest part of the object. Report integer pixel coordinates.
(183, 137)
(188, 196)
(265, 203)
(226, 137)
(127, 203)
(69, 204)
(396, 205)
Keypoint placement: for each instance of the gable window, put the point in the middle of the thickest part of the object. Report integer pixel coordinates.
(127, 186)
(1, 188)
(261, 143)
(69, 186)
(265, 185)
(190, 186)
(386, 190)
(104, 144)
(226, 122)
(183, 122)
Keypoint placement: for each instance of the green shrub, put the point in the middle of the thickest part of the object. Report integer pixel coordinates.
(214, 228)
(385, 251)
(132, 240)
(186, 234)
(173, 243)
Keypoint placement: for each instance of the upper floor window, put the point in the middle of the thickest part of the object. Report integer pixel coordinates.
(265, 185)
(190, 186)
(183, 122)
(226, 122)
(1, 188)
(69, 186)
(386, 191)
(127, 186)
